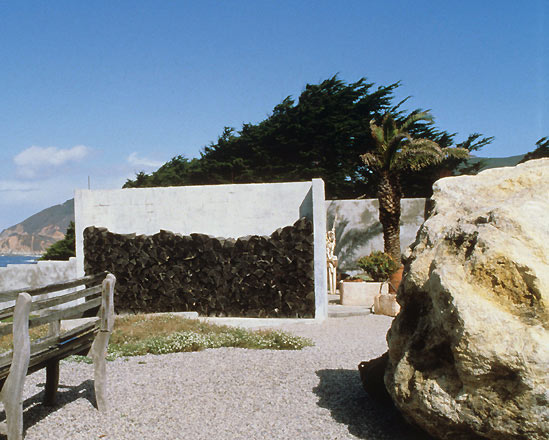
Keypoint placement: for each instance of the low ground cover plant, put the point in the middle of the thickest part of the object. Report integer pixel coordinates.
(136, 335)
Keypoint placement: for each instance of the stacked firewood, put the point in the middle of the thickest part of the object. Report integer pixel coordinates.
(255, 276)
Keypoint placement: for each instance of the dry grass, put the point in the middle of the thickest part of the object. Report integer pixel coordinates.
(6, 341)
(135, 335)
(132, 328)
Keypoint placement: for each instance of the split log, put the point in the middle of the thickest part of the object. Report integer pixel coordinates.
(213, 276)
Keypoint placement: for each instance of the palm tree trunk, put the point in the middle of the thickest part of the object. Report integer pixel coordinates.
(389, 195)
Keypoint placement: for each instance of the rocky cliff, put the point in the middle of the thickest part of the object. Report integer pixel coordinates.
(36, 233)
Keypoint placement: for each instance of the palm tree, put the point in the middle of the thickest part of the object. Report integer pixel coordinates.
(396, 152)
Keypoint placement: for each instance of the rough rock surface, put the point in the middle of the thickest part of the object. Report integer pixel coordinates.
(386, 304)
(469, 351)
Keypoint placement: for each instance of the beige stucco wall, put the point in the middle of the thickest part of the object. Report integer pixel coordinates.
(359, 232)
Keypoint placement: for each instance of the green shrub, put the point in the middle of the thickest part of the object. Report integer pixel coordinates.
(378, 265)
(359, 277)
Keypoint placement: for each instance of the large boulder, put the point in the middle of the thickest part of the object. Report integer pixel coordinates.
(469, 351)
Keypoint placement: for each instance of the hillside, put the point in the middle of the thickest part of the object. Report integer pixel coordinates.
(495, 162)
(36, 233)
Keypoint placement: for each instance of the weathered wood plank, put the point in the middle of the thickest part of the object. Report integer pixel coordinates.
(73, 346)
(44, 343)
(98, 351)
(55, 301)
(70, 313)
(11, 295)
(12, 391)
(54, 329)
(106, 314)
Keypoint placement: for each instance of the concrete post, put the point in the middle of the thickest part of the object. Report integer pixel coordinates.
(319, 228)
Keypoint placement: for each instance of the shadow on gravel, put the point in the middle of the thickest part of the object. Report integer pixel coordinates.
(34, 410)
(341, 392)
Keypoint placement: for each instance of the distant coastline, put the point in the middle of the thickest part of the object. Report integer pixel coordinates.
(18, 259)
(22, 254)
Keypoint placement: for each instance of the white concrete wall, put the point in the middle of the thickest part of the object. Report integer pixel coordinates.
(319, 230)
(19, 276)
(359, 232)
(218, 210)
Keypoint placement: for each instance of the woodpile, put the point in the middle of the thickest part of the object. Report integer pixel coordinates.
(252, 276)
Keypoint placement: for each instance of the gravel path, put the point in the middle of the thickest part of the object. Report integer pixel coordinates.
(228, 393)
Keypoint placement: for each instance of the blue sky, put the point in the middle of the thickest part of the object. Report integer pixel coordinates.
(105, 89)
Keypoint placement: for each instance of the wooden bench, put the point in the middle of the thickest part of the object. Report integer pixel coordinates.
(30, 311)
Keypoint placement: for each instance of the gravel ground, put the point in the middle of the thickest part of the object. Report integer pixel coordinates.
(228, 393)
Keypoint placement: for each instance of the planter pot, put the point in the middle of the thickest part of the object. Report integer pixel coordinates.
(395, 279)
(360, 293)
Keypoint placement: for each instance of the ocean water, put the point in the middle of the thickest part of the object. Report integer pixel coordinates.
(17, 259)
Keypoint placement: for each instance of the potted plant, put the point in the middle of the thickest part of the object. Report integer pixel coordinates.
(358, 290)
(381, 267)
(363, 288)
(378, 265)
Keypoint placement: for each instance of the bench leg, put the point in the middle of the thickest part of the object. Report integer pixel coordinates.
(98, 353)
(52, 382)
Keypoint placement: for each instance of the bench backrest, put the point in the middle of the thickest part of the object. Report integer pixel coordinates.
(96, 290)
(44, 311)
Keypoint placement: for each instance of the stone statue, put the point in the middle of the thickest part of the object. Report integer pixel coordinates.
(331, 259)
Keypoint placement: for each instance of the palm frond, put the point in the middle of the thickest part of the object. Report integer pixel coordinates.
(377, 133)
(419, 154)
(456, 153)
(413, 118)
(416, 144)
(393, 147)
(398, 150)
(371, 160)
(389, 126)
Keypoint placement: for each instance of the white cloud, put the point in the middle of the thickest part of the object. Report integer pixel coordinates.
(135, 160)
(35, 159)
(16, 187)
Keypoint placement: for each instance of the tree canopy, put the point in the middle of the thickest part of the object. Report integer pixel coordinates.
(542, 150)
(321, 135)
(64, 248)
